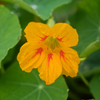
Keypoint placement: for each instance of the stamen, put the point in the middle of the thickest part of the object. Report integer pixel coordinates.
(52, 42)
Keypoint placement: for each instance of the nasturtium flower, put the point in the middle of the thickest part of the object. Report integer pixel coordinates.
(48, 49)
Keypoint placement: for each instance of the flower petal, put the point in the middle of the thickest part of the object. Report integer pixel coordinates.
(65, 34)
(70, 61)
(28, 55)
(37, 63)
(36, 31)
(50, 69)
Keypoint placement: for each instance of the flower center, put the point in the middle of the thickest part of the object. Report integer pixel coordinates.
(52, 42)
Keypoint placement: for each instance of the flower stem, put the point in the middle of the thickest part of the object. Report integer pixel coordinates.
(84, 79)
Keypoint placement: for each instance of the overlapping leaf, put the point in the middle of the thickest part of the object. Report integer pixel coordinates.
(45, 7)
(41, 8)
(18, 85)
(10, 31)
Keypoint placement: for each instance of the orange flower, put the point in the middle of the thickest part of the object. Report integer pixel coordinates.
(48, 49)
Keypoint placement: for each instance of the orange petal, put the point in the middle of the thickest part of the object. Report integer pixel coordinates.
(70, 61)
(37, 63)
(28, 55)
(50, 69)
(65, 34)
(36, 31)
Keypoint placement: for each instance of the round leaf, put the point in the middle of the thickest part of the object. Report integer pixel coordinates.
(18, 85)
(87, 23)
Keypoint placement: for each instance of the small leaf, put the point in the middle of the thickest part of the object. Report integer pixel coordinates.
(95, 86)
(18, 85)
(10, 31)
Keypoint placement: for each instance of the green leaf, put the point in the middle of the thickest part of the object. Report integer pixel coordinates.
(41, 8)
(10, 31)
(95, 86)
(87, 23)
(18, 85)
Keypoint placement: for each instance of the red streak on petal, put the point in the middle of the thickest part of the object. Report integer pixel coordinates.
(48, 61)
(60, 39)
(49, 57)
(64, 58)
(42, 39)
(39, 51)
(62, 54)
(26, 54)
